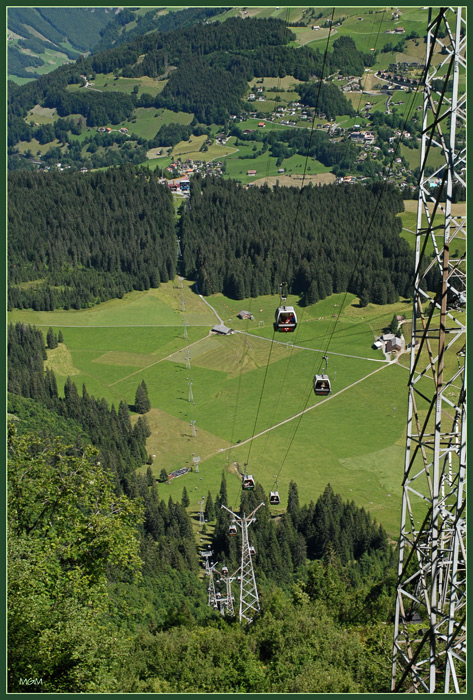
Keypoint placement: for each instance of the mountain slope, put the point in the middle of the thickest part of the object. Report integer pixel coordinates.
(41, 38)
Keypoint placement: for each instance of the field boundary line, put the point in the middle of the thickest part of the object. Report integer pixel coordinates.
(141, 369)
(126, 325)
(325, 352)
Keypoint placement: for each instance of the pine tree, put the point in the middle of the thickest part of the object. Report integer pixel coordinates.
(142, 402)
(209, 512)
(163, 476)
(222, 496)
(394, 325)
(51, 339)
(60, 338)
(185, 500)
(293, 503)
(149, 477)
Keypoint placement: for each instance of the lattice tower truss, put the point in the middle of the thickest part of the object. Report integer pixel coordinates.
(209, 571)
(429, 651)
(249, 599)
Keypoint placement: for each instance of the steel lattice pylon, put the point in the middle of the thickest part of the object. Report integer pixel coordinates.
(429, 652)
(249, 600)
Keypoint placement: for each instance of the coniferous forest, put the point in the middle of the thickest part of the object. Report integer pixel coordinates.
(321, 240)
(123, 239)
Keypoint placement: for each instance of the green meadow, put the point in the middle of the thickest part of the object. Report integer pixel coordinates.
(251, 393)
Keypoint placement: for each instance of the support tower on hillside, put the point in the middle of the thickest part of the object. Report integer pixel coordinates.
(249, 600)
(429, 652)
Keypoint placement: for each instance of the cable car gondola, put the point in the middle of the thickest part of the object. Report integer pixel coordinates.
(252, 550)
(232, 531)
(322, 382)
(248, 483)
(224, 570)
(274, 499)
(285, 317)
(322, 385)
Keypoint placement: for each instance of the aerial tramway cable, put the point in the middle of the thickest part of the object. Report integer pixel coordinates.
(359, 257)
(292, 237)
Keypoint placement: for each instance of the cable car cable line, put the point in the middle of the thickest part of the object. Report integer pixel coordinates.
(342, 305)
(286, 319)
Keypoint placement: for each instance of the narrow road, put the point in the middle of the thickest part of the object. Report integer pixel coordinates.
(211, 307)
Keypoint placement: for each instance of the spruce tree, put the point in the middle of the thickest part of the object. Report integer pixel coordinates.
(293, 503)
(163, 476)
(60, 337)
(51, 339)
(222, 496)
(394, 325)
(185, 500)
(142, 402)
(209, 512)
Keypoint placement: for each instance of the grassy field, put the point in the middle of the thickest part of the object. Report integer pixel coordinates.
(245, 384)
(147, 121)
(106, 82)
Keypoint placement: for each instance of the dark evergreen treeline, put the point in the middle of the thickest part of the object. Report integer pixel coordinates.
(325, 529)
(123, 239)
(326, 98)
(97, 107)
(321, 240)
(122, 446)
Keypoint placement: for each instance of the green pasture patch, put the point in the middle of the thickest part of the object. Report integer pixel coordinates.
(191, 150)
(235, 354)
(126, 359)
(287, 83)
(147, 121)
(35, 146)
(152, 308)
(244, 384)
(60, 361)
(216, 152)
(106, 82)
(269, 105)
(305, 35)
(171, 442)
(409, 223)
(41, 115)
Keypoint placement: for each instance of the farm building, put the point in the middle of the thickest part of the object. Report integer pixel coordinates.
(220, 329)
(245, 314)
(390, 342)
